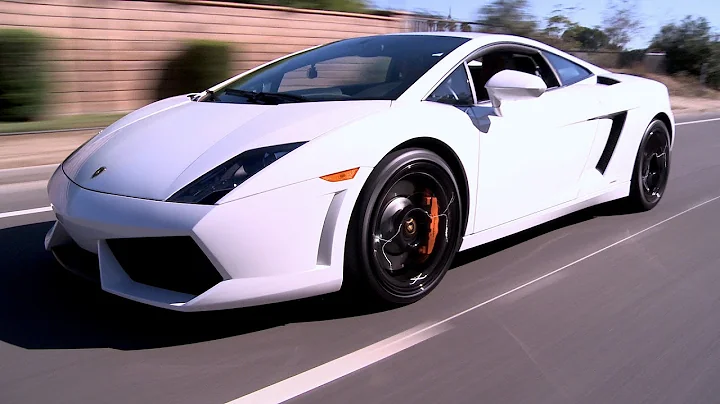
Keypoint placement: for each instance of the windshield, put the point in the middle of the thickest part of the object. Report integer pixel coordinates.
(368, 68)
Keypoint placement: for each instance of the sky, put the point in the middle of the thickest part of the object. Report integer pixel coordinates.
(653, 13)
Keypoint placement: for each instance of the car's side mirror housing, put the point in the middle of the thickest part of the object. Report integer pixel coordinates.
(512, 85)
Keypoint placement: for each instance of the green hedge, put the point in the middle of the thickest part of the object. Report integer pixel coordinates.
(713, 67)
(201, 64)
(23, 81)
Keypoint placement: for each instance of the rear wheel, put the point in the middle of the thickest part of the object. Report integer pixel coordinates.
(652, 168)
(405, 229)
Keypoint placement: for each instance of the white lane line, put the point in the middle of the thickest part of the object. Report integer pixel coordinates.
(330, 371)
(25, 212)
(693, 122)
(333, 370)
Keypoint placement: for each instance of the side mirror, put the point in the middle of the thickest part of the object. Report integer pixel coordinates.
(512, 85)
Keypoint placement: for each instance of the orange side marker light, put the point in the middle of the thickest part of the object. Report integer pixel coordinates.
(341, 176)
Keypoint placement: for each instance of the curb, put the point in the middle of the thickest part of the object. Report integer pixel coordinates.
(41, 132)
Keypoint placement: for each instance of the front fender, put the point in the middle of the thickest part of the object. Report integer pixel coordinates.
(365, 142)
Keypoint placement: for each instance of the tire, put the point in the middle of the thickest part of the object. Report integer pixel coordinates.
(651, 170)
(405, 229)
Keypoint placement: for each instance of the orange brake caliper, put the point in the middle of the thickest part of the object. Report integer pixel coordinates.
(431, 202)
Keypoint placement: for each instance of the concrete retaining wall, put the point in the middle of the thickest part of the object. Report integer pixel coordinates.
(108, 54)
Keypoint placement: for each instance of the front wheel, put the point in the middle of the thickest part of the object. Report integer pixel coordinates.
(405, 229)
(652, 168)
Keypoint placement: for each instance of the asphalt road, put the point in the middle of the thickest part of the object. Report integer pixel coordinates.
(628, 322)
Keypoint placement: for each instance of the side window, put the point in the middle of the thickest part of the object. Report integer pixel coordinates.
(491, 63)
(569, 72)
(534, 64)
(455, 89)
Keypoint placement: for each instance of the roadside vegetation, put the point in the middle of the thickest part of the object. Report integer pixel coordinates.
(692, 49)
(200, 64)
(620, 23)
(691, 46)
(24, 81)
(23, 75)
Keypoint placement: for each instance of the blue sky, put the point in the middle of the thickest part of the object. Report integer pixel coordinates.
(654, 13)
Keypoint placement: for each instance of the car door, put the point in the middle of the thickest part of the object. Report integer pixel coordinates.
(532, 157)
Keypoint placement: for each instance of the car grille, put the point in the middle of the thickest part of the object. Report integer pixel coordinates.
(172, 263)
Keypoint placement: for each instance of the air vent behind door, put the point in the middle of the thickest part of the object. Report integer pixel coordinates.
(618, 123)
(607, 81)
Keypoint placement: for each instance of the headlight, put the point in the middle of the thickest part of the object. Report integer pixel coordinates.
(217, 183)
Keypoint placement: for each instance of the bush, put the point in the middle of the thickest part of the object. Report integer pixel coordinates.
(631, 58)
(713, 68)
(201, 64)
(687, 45)
(23, 81)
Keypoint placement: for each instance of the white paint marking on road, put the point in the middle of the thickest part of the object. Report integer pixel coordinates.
(330, 371)
(25, 212)
(333, 370)
(700, 121)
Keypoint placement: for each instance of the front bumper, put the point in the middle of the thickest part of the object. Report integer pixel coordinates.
(279, 245)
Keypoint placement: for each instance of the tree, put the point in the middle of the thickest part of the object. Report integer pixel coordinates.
(591, 39)
(621, 22)
(508, 17)
(437, 22)
(687, 45)
(559, 21)
(556, 24)
(713, 72)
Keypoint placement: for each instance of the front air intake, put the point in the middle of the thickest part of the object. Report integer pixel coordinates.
(78, 261)
(173, 263)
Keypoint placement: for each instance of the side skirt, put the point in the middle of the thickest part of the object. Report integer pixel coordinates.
(616, 191)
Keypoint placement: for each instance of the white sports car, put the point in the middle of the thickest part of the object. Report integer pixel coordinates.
(365, 163)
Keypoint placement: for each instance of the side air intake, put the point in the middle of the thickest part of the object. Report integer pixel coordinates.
(618, 123)
(607, 81)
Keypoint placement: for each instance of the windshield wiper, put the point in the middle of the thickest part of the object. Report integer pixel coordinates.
(284, 96)
(242, 93)
(260, 96)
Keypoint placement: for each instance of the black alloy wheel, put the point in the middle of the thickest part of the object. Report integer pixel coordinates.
(406, 227)
(652, 168)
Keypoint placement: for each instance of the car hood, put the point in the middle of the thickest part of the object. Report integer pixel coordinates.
(155, 151)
